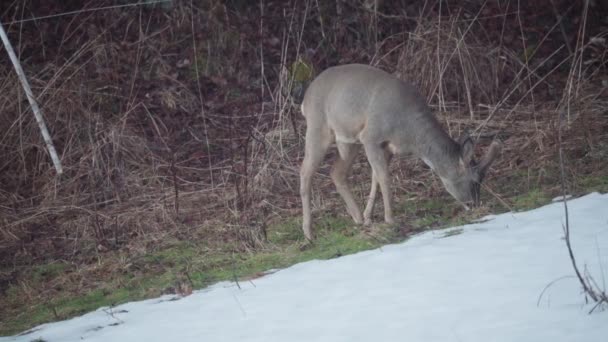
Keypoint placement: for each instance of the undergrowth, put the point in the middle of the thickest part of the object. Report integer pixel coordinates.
(181, 140)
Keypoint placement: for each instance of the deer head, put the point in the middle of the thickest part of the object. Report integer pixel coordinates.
(464, 181)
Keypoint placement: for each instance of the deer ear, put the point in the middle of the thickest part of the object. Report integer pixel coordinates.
(490, 156)
(466, 150)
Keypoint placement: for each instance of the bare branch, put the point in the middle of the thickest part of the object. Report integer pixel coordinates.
(30, 97)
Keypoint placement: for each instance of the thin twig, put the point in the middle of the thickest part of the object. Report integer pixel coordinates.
(540, 296)
(566, 226)
(560, 20)
(498, 197)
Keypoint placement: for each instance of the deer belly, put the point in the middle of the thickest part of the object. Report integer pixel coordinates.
(428, 162)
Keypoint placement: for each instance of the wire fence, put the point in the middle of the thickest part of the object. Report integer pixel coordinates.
(167, 3)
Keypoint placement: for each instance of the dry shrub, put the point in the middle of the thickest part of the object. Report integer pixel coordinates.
(109, 171)
(166, 132)
(452, 67)
(112, 111)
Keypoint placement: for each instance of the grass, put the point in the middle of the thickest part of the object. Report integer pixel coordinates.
(226, 65)
(156, 272)
(434, 213)
(594, 183)
(539, 195)
(534, 198)
(152, 274)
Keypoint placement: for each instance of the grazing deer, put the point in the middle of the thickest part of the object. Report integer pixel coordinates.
(358, 105)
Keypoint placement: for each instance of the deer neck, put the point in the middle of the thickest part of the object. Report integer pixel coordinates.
(440, 152)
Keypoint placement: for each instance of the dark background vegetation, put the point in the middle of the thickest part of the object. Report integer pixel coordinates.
(178, 129)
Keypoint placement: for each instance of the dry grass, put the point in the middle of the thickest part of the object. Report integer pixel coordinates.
(454, 68)
(174, 126)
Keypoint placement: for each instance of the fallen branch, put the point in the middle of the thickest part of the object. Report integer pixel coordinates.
(30, 97)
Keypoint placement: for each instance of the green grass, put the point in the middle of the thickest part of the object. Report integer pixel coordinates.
(42, 272)
(532, 199)
(433, 213)
(148, 275)
(540, 195)
(594, 184)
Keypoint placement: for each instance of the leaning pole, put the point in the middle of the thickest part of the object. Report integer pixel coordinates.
(32, 100)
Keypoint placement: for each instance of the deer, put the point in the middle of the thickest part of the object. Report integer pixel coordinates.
(358, 105)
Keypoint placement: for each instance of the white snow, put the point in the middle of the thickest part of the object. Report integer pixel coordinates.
(480, 284)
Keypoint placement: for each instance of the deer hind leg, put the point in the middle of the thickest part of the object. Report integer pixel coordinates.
(339, 172)
(317, 142)
(369, 208)
(378, 159)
